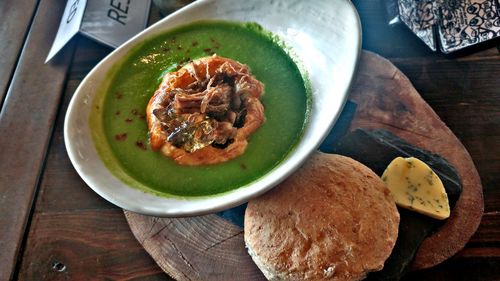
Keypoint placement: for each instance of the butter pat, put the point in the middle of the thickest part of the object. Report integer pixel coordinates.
(415, 186)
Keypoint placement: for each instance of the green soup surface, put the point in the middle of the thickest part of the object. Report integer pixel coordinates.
(120, 129)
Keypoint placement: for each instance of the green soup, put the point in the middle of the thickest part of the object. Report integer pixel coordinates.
(120, 129)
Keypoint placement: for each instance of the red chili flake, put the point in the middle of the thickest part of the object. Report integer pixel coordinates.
(128, 120)
(243, 166)
(141, 116)
(119, 96)
(166, 49)
(135, 111)
(140, 145)
(117, 112)
(121, 137)
(215, 43)
(194, 44)
(179, 47)
(207, 50)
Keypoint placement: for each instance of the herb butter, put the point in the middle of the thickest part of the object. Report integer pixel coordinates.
(415, 186)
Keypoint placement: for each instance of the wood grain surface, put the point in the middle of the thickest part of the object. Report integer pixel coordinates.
(461, 89)
(208, 248)
(198, 248)
(16, 16)
(26, 123)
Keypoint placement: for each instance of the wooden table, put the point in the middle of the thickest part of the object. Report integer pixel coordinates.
(53, 227)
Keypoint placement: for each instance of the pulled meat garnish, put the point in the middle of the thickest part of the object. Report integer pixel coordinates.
(204, 113)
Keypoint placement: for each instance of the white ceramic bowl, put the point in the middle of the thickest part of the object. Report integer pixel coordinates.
(324, 34)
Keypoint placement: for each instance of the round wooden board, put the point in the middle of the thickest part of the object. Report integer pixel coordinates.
(211, 248)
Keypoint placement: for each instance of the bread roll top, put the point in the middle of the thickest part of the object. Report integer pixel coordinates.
(333, 219)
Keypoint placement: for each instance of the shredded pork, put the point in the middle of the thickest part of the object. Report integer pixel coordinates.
(203, 113)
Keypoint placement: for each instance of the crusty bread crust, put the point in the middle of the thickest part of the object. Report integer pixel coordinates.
(333, 219)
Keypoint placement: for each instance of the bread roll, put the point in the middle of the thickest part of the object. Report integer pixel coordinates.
(333, 219)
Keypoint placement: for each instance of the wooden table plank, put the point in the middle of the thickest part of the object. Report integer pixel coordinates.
(16, 16)
(86, 245)
(460, 269)
(26, 123)
(60, 178)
